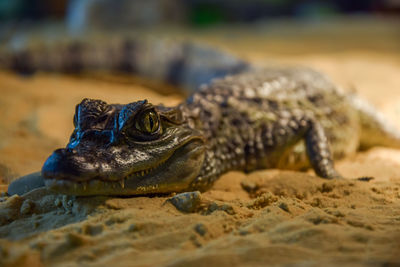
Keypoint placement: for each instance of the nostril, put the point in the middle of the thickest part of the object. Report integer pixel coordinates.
(62, 165)
(71, 150)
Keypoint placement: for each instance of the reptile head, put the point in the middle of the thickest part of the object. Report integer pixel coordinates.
(130, 149)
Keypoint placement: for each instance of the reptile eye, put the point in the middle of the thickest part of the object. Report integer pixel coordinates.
(148, 122)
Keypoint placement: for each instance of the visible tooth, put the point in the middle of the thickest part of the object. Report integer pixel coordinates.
(113, 185)
(84, 184)
(122, 183)
(75, 186)
(142, 173)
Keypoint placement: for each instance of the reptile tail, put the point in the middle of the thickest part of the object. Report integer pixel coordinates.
(181, 63)
(375, 129)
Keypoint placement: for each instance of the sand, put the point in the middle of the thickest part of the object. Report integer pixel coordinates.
(269, 217)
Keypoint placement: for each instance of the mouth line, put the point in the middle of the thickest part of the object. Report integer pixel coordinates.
(146, 172)
(120, 184)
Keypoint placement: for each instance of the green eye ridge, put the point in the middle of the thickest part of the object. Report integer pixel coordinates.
(149, 122)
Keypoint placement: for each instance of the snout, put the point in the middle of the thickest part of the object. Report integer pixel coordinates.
(66, 164)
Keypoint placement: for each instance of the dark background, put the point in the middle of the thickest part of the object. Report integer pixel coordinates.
(200, 13)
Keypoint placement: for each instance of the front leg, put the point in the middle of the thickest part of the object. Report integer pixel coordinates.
(318, 150)
(304, 144)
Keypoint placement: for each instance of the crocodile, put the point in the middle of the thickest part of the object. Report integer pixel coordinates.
(248, 119)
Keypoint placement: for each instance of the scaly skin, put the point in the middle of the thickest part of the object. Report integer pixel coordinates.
(275, 118)
(248, 119)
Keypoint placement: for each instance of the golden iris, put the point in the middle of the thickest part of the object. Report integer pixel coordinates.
(149, 122)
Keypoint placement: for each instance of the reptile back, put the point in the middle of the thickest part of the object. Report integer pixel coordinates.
(252, 120)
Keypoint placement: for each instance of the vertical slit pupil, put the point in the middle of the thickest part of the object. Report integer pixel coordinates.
(151, 122)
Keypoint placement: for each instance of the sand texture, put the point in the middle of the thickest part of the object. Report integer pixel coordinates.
(270, 217)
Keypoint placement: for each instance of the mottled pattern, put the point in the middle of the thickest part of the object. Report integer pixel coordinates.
(273, 118)
(287, 118)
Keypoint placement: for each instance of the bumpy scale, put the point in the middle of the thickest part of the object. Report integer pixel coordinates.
(291, 118)
(287, 118)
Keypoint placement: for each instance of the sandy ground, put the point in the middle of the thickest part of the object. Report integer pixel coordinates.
(270, 217)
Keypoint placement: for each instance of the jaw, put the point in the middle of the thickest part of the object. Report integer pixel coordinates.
(173, 175)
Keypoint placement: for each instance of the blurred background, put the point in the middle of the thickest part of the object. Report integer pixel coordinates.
(79, 15)
(338, 24)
